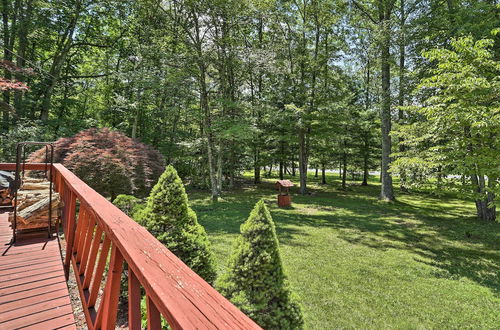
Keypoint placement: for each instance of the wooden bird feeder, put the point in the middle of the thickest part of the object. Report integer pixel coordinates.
(284, 198)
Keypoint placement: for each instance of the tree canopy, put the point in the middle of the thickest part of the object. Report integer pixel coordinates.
(220, 87)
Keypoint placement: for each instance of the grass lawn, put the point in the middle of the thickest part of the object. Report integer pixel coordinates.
(355, 262)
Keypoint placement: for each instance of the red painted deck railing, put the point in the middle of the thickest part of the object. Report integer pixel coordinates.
(100, 239)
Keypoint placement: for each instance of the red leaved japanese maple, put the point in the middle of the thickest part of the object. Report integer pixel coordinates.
(108, 161)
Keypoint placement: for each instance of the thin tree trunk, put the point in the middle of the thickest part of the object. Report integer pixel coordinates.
(256, 166)
(302, 161)
(208, 135)
(365, 167)
(386, 192)
(219, 169)
(323, 174)
(344, 171)
(402, 81)
(282, 155)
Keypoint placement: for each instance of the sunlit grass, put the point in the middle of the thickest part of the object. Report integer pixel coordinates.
(356, 262)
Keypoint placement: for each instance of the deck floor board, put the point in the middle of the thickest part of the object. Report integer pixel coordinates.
(33, 290)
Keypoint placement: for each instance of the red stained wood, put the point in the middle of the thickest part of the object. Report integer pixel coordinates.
(154, 317)
(181, 296)
(86, 246)
(25, 278)
(134, 302)
(33, 290)
(109, 305)
(92, 258)
(81, 234)
(63, 320)
(96, 282)
(284, 183)
(30, 309)
(30, 166)
(69, 224)
(174, 291)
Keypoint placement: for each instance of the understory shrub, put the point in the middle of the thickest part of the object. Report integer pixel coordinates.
(130, 205)
(255, 280)
(170, 219)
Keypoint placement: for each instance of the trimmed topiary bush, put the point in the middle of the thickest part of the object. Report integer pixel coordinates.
(255, 281)
(169, 218)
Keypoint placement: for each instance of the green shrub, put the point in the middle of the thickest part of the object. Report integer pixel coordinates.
(255, 281)
(130, 205)
(169, 218)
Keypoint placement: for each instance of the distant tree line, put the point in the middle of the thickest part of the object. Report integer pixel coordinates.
(225, 86)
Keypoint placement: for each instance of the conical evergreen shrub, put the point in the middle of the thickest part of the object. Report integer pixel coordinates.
(255, 281)
(169, 218)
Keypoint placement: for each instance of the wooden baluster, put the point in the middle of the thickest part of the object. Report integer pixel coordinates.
(66, 211)
(58, 189)
(106, 316)
(134, 301)
(70, 210)
(86, 246)
(92, 258)
(78, 229)
(57, 184)
(82, 234)
(96, 282)
(154, 317)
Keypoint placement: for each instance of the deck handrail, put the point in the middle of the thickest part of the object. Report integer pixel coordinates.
(172, 289)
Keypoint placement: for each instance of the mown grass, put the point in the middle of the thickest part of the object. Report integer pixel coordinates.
(356, 262)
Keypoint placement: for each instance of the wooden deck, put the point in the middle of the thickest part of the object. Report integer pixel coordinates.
(33, 289)
(100, 239)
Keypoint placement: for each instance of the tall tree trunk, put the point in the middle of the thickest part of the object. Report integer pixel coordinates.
(402, 81)
(302, 161)
(365, 165)
(207, 121)
(135, 124)
(386, 192)
(204, 105)
(256, 166)
(219, 168)
(344, 170)
(323, 174)
(484, 212)
(282, 155)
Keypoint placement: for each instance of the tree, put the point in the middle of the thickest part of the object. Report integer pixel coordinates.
(458, 130)
(255, 280)
(170, 219)
(130, 167)
(379, 13)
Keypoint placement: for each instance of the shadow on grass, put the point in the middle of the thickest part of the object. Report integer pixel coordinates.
(440, 232)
